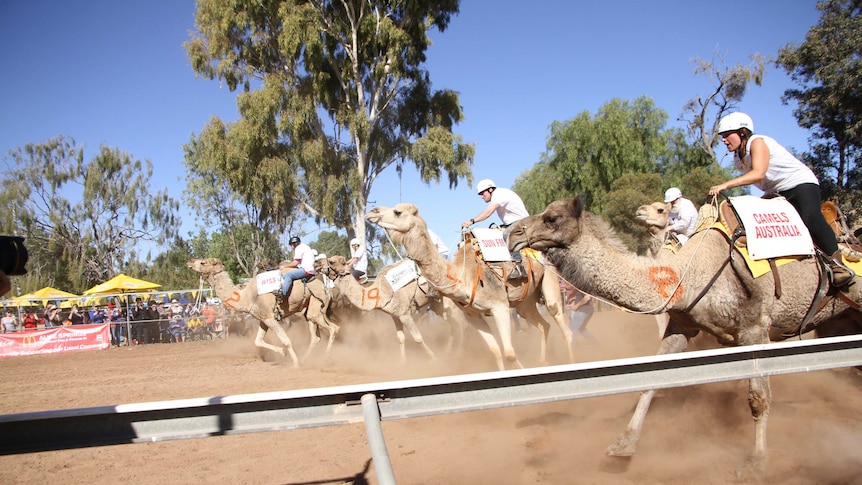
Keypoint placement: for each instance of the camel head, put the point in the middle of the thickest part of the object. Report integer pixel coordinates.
(557, 227)
(333, 267)
(655, 216)
(399, 221)
(206, 266)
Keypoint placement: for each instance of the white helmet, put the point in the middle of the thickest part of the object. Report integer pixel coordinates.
(484, 185)
(355, 242)
(735, 121)
(672, 194)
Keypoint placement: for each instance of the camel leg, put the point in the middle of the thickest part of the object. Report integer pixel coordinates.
(662, 320)
(333, 330)
(413, 328)
(503, 321)
(261, 343)
(273, 325)
(759, 400)
(487, 335)
(457, 321)
(399, 334)
(531, 314)
(554, 304)
(627, 442)
(314, 333)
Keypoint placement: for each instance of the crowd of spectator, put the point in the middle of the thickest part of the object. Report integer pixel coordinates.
(142, 323)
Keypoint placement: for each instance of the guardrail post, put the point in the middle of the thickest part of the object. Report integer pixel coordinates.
(374, 431)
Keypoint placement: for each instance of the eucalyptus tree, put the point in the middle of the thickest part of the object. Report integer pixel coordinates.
(83, 220)
(333, 94)
(728, 87)
(589, 153)
(828, 68)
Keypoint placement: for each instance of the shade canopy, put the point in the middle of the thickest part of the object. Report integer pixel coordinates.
(121, 284)
(46, 293)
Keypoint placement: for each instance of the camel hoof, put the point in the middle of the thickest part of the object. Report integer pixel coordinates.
(754, 467)
(623, 446)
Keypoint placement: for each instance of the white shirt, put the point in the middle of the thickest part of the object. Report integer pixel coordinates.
(784, 172)
(304, 256)
(683, 217)
(442, 248)
(511, 208)
(361, 256)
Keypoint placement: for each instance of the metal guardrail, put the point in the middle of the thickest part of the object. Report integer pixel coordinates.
(371, 403)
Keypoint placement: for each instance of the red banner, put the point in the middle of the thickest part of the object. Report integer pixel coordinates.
(54, 340)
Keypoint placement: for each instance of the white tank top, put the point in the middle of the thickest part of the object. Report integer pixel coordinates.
(784, 172)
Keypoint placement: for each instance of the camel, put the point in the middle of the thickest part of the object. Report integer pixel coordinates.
(401, 305)
(737, 309)
(481, 288)
(310, 299)
(656, 216)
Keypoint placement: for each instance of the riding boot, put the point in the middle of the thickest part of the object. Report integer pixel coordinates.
(841, 274)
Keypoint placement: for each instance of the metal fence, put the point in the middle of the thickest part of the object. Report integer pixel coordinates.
(375, 402)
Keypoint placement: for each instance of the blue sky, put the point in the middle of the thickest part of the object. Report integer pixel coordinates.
(115, 73)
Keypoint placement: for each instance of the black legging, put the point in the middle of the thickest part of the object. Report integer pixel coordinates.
(806, 199)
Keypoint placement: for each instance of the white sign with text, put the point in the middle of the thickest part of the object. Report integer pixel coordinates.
(492, 245)
(401, 275)
(268, 281)
(773, 228)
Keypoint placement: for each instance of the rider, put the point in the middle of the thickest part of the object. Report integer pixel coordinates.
(300, 267)
(683, 214)
(358, 258)
(773, 169)
(509, 208)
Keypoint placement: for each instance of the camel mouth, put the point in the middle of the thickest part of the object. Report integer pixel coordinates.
(641, 217)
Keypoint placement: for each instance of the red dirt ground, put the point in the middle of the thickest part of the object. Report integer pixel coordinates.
(697, 435)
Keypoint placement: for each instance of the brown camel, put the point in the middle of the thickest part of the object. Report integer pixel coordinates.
(737, 309)
(481, 288)
(402, 305)
(310, 299)
(656, 216)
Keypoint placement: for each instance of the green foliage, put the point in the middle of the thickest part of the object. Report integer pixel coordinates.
(334, 94)
(82, 220)
(828, 67)
(539, 186)
(630, 191)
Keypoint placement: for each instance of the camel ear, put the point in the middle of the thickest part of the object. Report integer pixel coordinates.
(577, 206)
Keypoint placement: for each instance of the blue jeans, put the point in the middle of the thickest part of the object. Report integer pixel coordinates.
(288, 278)
(578, 318)
(116, 333)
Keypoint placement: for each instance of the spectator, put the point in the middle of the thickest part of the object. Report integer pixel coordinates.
(51, 317)
(358, 258)
(579, 307)
(140, 330)
(178, 326)
(97, 315)
(115, 316)
(30, 320)
(75, 315)
(8, 323)
(154, 318)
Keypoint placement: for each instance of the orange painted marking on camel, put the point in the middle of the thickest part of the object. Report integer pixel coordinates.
(230, 302)
(664, 277)
(373, 295)
(451, 277)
